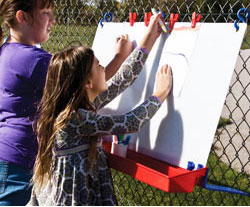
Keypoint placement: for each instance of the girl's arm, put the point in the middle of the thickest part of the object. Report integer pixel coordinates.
(127, 74)
(92, 124)
(123, 49)
(113, 66)
(89, 123)
(133, 65)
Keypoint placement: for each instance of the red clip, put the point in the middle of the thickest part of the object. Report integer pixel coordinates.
(173, 18)
(147, 17)
(195, 19)
(132, 18)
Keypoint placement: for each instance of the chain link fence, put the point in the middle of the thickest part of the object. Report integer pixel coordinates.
(229, 160)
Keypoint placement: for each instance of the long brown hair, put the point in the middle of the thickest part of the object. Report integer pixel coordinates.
(63, 94)
(9, 8)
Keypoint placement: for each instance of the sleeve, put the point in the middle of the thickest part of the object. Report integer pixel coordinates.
(125, 76)
(93, 124)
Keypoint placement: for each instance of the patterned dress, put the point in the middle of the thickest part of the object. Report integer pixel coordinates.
(74, 181)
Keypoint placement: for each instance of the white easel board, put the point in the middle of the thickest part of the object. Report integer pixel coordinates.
(202, 61)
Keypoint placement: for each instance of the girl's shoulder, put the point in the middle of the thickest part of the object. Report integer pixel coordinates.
(23, 51)
(27, 61)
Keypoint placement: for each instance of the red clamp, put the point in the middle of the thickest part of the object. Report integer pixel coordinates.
(195, 19)
(147, 17)
(173, 18)
(132, 18)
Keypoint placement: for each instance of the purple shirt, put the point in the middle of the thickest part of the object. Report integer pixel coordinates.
(23, 70)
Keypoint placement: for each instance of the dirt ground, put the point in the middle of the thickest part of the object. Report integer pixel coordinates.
(232, 144)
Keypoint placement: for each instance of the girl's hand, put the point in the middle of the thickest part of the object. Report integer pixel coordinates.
(154, 27)
(163, 82)
(123, 47)
(153, 32)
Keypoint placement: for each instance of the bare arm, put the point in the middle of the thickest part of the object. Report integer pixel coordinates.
(133, 65)
(113, 66)
(123, 48)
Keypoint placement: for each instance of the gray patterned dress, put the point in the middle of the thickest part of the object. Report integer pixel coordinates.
(74, 181)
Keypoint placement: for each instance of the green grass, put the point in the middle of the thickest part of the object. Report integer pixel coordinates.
(132, 192)
(223, 122)
(246, 40)
(62, 36)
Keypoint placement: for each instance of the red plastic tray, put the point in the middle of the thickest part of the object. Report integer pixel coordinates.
(156, 173)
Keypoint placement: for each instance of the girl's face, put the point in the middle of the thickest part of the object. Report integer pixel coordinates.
(97, 79)
(41, 25)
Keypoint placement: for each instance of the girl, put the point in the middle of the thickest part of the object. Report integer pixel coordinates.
(71, 166)
(23, 70)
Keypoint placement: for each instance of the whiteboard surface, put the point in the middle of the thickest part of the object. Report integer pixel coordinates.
(202, 60)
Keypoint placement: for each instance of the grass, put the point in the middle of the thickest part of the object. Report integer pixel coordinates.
(246, 40)
(132, 192)
(223, 122)
(63, 35)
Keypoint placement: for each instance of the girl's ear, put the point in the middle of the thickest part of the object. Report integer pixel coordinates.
(21, 16)
(89, 84)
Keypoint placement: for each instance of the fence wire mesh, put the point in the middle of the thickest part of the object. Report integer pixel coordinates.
(229, 160)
